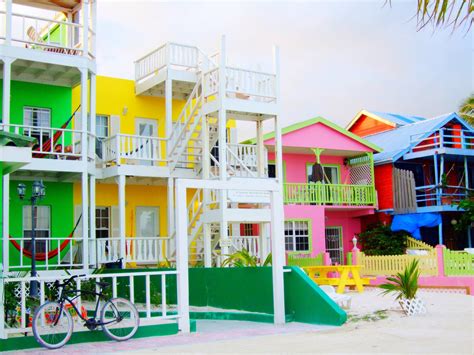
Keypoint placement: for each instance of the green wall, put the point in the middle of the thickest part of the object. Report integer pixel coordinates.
(56, 98)
(59, 196)
(247, 289)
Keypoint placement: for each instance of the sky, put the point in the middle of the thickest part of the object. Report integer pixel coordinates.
(336, 57)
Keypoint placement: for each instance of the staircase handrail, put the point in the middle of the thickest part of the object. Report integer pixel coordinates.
(242, 164)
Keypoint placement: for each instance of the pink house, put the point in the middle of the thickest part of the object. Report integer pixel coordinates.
(329, 185)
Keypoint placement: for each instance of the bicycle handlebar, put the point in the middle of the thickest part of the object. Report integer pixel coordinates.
(57, 284)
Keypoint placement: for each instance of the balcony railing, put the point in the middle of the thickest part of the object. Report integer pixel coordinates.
(137, 250)
(242, 160)
(47, 34)
(443, 138)
(329, 194)
(133, 149)
(54, 143)
(432, 195)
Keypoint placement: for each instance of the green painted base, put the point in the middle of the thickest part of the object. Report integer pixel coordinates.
(249, 317)
(27, 342)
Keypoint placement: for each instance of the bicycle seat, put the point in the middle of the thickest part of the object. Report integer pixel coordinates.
(102, 284)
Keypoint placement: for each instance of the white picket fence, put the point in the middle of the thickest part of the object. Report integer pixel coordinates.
(153, 314)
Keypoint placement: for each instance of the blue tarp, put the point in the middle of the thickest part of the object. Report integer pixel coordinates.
(412, 222)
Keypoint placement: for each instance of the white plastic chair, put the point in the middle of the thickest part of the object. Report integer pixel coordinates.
(344, 301)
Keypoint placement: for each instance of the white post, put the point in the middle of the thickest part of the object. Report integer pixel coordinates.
(84, 113)
(171, 215)
(93, 114)
(222, 127)
(182, 259)
(6, 222)
(93, 247)
(278, 142)
(260, 150)
(169, 112)
(7, 71)
(121, 187)
(206, 228)
(85, 27)
(85, 220)
(278, 257)
(94, 25)
(8, 22)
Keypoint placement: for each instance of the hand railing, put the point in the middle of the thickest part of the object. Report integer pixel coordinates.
(432, 195)
(335, 194)
(443, 138)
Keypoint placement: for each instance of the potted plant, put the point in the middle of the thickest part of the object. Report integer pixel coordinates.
(405, 286)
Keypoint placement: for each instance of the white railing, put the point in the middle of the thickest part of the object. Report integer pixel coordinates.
(133, 148)
(242, 160)
(51, 253)
(173, 55)
(250, 85)
(211, 83)
(122, 284)
(47, 34)
(137, 249)
(67, 146)
(249, 243)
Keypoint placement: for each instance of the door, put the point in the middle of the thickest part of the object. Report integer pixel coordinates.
(144, 147)
(145, 246)
(334, 245)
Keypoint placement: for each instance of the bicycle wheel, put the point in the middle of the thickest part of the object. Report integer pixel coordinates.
(52, 325)
(120, 319)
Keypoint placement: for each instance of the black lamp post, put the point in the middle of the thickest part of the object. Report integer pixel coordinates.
(38, 192)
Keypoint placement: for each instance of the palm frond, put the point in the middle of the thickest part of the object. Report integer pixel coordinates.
(466, 109)
(403, 284)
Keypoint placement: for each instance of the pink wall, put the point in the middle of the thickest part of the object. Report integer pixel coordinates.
(320, 136)
(349, 224)
(295, 165)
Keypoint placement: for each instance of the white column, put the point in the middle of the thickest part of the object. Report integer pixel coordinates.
(85, 26)
(278, 257)
(171, 214)
(84, 112)
(8, 22)
(85, 220)
(92, 104)
(6, 222)
(121, 188)
(169, 111)
(206, 228)
(93, 245)
(260, 150)
(278, 142)
(7, 71)
(182, 259)
(93, 15)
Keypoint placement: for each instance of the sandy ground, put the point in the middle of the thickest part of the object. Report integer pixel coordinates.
(376, 325)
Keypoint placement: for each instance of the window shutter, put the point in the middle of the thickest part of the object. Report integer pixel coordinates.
(115, 232)
(77, 214)
(114, 125)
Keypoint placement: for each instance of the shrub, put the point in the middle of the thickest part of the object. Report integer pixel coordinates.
(380, 240)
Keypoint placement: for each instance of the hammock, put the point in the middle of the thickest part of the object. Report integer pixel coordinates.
(50, 254)
(51, 142)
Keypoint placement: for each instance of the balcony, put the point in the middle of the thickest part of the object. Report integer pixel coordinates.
(329, 194)
(54, 143)
(432, 197)
(53, 31)
(446, 140)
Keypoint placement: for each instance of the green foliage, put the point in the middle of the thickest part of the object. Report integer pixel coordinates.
(244, 259)
(467, 215)
(380, 240)
(403, 284)
(369, 317)
(466, 110)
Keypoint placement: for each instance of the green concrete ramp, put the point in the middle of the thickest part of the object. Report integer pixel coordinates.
(307, 302)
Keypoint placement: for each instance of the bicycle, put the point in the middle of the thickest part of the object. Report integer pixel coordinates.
(53, 322)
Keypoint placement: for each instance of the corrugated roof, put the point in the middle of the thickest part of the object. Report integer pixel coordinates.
(397, 141)
(399, 120)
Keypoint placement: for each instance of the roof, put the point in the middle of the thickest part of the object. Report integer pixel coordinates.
(396, 142)
(392, 119)
(315, 120)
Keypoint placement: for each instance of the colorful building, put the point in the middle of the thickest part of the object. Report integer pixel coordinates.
(322, 212)
(426, 167)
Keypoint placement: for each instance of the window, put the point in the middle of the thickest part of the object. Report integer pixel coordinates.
(37, 117)
(331, 174)
(102, 222)
(248, 229)
(297, 235)
(334, 245)
(271, 170)
(42, 227)
(102, 126)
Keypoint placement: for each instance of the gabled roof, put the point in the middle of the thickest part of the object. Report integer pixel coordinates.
(316, 120)
(397, 142)
(391, 119)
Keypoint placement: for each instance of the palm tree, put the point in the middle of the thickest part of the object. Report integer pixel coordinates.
(466, 110)
(444, 13)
